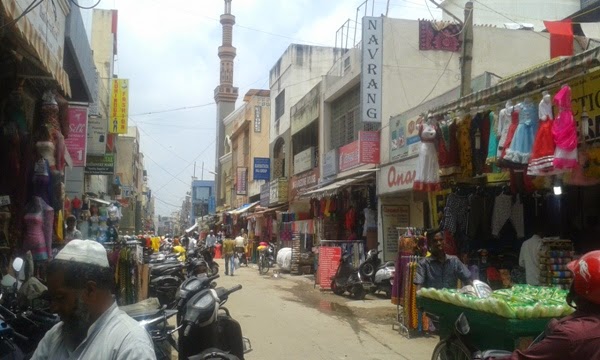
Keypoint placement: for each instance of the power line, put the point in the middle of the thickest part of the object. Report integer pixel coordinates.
(158, 142)
(174, 109)
(85, 7)
(166, 203)
(27, 10)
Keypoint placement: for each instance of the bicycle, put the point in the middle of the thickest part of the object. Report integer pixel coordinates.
(263, 263)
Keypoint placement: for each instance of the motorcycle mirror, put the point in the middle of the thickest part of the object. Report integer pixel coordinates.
(17, 264)
(213, 285)
(247, 345)
(462, 324)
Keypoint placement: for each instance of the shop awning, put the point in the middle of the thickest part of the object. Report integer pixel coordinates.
(242, 209)
(335, 186)
(265, 211)
(32, 38)
(192, 228)
(537, 77)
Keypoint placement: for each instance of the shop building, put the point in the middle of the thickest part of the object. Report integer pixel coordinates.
(203, 199)
(129, 173)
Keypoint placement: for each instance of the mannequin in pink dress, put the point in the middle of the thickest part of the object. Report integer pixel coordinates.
(564, 132)
(39, 222)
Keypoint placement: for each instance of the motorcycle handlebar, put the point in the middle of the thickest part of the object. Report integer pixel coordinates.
(228, 292)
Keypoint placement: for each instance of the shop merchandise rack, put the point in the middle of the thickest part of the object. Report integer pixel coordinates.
(408, 318)
(555, 254)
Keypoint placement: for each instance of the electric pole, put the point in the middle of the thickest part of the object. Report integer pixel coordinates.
(467, 51)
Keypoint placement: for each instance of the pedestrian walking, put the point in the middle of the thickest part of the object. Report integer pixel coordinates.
(228, 253)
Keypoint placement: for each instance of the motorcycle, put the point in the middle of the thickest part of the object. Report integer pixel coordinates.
(241, 256)
(207, 254)
(349, 279)
(458, 346)
(381, 275)
(207, 328)
(266, 259)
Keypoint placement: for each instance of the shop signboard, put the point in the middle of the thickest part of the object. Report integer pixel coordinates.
(405, 140)
(241, 181)
(372, 68)
(100, 165)
(369, 147)
(96, 135)
(349, 156)
(265, 194)
(278, 191)
(119, 106)
(393, 216)
(397, 177)
(304, 160)
(329, 259)
(262, 169)
(301, 183)
(76, 142)
(330, 163)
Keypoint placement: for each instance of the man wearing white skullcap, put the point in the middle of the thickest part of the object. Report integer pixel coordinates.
(80, 284)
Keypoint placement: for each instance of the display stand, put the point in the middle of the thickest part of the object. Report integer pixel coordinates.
(408, 319)
(554, 256)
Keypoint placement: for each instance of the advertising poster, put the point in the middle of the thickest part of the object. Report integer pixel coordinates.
(76, 142)
(393, 216)
(119, 107)
(329, 259)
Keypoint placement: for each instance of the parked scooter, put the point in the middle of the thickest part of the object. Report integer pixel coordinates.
(207, 255)
(349, 279)
(208, 328)
(381, 275)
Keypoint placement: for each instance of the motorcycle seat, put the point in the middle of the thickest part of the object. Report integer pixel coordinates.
(488, 354)
(160, 268)
(387, 264)
(146, 314)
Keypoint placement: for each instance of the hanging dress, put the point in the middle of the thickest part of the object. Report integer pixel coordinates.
(564, 132)
(510, 133)
(463, 136)
(542, 155)
(504, 122)
(448, 148)
(427, 175)
(493, 140)
(519, 151)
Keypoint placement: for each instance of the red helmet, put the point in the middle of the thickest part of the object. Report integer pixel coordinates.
(586, 273)
(262, 243)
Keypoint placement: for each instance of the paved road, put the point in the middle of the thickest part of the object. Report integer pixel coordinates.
(286, 318)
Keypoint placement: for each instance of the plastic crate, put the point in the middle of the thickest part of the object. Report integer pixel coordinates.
(488, 331)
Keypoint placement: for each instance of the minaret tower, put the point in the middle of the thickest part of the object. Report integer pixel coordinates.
(225, 93)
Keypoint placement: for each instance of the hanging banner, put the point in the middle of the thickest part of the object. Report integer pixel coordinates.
(119, 106)
(329, 259)
(393, 216)
(372, 69)
(349, 156)
(405, 140)
(76, 142)
(262, 169)
(242, 181)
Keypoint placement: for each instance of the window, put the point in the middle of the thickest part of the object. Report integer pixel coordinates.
(201, 193)
(345, 119)
(280, 105)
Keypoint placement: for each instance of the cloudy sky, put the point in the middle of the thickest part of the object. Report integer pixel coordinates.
(168, 50)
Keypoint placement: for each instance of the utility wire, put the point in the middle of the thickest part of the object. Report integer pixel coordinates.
(174, 109)
(85, 7)
(28, 9)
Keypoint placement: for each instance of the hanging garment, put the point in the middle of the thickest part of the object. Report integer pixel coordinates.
(402, 261)
(564, 132)
(480, 134)
(505, 210)
(448, 148)
(504, 122)
(464, 147)
(38, 230)
(427, 176)
(456, 213)
(510, 133)
(493, 140)
(542, 155)
(519, 151)
(41, 180)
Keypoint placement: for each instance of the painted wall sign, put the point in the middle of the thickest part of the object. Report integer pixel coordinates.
(304, 160)
(372, 69)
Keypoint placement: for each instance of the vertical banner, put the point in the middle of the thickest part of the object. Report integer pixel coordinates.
(119, 106)
(242, 181)
(257, 119)
(393, 216)
(372, 68)
(77, 140)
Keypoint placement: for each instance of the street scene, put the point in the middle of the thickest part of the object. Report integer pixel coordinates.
(266, 179)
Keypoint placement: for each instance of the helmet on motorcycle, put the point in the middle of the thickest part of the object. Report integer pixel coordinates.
(586, 276)
(262, 243)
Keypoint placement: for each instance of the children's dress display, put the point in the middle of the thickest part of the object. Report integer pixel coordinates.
(427, 175)
(564, 132)
(504, 122)
(519, 151)
(493, 140)
(510, 132)
(542, 155)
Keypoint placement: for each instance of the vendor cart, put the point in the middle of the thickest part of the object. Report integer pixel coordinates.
(488, 331)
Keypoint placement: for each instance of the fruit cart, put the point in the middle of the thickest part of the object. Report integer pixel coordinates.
(488, 331)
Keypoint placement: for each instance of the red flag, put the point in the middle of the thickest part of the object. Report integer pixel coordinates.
(561, 37)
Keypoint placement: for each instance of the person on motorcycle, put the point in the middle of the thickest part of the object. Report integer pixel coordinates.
(179, 249)
(211, 242)
(240, 246)
(576, 336)
(80, 286)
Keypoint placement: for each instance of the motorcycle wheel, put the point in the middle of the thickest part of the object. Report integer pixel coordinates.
(336, 290)
(358, 292)
(214, 269)
(263, 267)
(450, 350)
(367, 269)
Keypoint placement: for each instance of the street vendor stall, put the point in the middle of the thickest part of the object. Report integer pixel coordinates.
(508, 319)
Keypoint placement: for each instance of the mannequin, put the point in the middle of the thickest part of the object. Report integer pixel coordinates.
(564, 132)
(504, 119)
(41, 180)
(542, 157)
(39, 221)
(427, 175)
(521, 145)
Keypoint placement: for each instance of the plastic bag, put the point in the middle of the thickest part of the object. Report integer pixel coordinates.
(236, 262)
